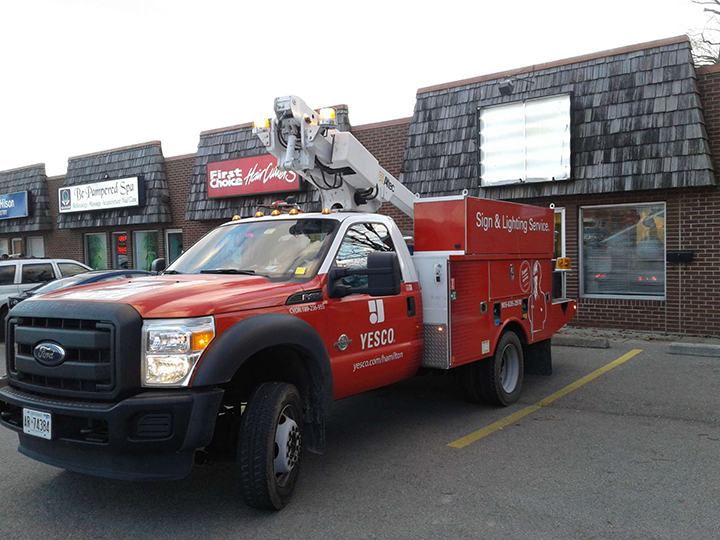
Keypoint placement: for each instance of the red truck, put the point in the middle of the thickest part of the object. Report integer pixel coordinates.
(239, 349)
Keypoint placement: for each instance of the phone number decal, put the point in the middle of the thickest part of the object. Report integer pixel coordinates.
(296, 310)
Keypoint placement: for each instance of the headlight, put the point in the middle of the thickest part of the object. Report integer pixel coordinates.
(172, 347)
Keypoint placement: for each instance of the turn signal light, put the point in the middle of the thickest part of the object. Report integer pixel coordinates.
(259, 214)
(200, 340)
(563, 263)
(275, 213)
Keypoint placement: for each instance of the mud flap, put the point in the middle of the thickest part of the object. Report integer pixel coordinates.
(538, 358)
(315, 437)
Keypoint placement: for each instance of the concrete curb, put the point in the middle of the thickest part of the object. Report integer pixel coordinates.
(694, 349)
(585, 342)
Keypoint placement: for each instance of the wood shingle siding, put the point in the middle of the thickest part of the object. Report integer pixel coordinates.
(144, 160)
(33, 180)
(234, 143)
(636, 124)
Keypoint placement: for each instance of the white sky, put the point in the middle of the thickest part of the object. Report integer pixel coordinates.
(78, 76)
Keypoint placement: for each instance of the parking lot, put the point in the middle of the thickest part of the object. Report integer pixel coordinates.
(633, 453)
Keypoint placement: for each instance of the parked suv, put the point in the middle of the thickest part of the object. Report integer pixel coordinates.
(17, 275)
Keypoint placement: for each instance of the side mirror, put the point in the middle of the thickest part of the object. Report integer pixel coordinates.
(386, 277)
(158, 265)
(383, 272)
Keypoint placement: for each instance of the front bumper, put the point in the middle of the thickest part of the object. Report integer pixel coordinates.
(150, 436)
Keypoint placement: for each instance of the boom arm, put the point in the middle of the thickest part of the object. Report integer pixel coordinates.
(348, 176)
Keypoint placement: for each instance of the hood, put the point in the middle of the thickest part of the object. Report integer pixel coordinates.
(158, 297)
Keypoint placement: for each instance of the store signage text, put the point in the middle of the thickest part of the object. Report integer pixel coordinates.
(100, 195)
(14, 205)
(247, 176)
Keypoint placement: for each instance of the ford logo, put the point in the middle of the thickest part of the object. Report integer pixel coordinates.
(49, 354)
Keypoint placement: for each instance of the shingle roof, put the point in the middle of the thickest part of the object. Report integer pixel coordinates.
(636, 123)
(32, 179)
(233, 143)
(143, 160)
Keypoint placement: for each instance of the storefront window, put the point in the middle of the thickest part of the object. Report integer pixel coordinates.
(96, 251)
(4, 247)
(119, 250)
(173, 244)
(146, 248)
(623, 250)
(35, 246)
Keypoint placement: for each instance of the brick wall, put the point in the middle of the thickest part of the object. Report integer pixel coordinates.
(692, 223)
(179, 176)
(386, 141)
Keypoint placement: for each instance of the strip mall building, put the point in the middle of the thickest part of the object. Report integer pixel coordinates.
(620, 143)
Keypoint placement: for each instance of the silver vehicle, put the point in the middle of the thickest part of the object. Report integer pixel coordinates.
(17, 275)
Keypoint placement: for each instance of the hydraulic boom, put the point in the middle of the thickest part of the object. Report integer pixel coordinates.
(348, 176)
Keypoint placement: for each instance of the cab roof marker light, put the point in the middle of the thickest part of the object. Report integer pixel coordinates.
(235, 217)
(261, 124)
(327, 117)
(328, 113)
(259, 214)
(275, 213)
(325, 210)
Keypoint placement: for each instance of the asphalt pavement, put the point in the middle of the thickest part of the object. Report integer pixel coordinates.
(633, 453)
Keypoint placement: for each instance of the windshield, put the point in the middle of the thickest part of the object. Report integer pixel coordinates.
(279, 250)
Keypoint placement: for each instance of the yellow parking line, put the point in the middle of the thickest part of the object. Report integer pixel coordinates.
(492, 428)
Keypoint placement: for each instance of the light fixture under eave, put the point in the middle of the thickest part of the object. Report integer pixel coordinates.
(506, 87)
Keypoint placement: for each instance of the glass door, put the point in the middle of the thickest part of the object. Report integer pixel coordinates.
(119, 250)
(16, 244)
(173, 244)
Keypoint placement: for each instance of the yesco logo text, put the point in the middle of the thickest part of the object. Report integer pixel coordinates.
(509, 223)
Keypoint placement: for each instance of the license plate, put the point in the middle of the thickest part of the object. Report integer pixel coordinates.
(37, 423)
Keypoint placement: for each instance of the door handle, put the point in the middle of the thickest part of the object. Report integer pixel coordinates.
(411, 306)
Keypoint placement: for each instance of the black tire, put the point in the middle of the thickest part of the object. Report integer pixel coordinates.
(271, 405)
(3, 316)
(490, 372)
(468, 380)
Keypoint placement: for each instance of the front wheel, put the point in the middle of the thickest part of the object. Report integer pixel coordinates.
(270, 445)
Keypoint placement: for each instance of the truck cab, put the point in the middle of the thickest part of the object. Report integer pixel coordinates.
(129, 380)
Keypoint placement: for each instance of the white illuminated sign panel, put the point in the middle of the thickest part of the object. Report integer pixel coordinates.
(527, 141)
(100, 195)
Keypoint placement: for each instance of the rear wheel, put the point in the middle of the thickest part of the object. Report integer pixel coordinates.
(496, 380)
(270, 446)
(501, 376)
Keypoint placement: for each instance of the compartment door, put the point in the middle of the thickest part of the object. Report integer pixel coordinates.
(470, 311)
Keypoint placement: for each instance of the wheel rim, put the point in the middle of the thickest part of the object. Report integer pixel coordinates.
(509, 369)
(287, 445)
